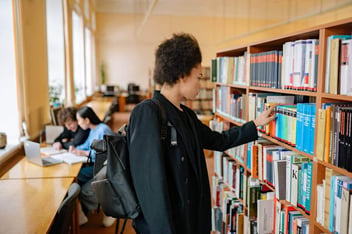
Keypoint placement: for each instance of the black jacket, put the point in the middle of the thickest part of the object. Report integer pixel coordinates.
(173, 189)
(75, 138)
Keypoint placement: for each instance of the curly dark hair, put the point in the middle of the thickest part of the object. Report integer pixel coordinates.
(65, 114)
(175, 58)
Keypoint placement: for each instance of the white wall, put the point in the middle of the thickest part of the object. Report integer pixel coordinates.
(128, 57)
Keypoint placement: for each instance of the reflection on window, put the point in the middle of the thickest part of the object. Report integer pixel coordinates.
(56, 51)
(78, 57)
(89, 64)
(9, 119)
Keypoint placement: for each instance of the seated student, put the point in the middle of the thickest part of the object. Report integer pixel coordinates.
(73, 134)
(87, 119)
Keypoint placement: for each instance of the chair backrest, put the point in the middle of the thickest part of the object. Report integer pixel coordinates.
(54, 115)
(63, 219)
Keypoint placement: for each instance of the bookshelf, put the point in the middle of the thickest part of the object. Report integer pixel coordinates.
(235, 85)
(203, 103)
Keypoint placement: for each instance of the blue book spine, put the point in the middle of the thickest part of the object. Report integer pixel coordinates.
(299, 189)
(304, 185)
(332, 203)
(249, 155)
(306, 126)
(298, 127)
(309, 185)
(313, 122)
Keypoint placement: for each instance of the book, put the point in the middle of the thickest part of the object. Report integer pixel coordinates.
(321, 134)
(70, 158)
(280, 179)
(334, 65)
(295, 183)
(49, 150)
(265, 216)
(345, 204)
(328, 58)
(328, 174)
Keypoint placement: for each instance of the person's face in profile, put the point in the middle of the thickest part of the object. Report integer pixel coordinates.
(83, 122)
(190, 85)
(71, 125)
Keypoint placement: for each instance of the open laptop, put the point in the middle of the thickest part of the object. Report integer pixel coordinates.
(32, 151)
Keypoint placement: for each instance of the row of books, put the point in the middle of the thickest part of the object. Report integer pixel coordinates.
(232, 105)
(258, 212)
(229, 70)
(289, 173)
(334, 206)
(287, 220)
(338, 65)
(293, 67)
(205, 94)
(334, 136)
(294, 124)
(201, 105)
(300, 65)
(206, 83)
(265, 69)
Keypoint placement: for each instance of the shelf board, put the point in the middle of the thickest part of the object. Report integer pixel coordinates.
(286, 91)
(336, 168)
(337, 97)
(321, 227)
(286, 203)
(228, 119)
(286, 145)
(238, 86)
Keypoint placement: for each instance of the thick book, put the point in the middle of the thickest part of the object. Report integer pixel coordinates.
(265, 216)
(70, 158)
(328, 58)
(295, 183)
(334, 65)
(321, 125)
(280, 179)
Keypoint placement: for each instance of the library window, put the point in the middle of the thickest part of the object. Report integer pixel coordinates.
(56, 51)
(78, 57)
(9, 120)
(89, 61)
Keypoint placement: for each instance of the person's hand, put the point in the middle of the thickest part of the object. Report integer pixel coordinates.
(78, 152)
(57, 146)
(265, 117)
(64, 140)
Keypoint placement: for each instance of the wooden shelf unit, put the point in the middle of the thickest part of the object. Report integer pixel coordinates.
(322, 33)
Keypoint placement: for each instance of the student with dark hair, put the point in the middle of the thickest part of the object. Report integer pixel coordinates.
(171, 180)
(73, 134)
(87, 119)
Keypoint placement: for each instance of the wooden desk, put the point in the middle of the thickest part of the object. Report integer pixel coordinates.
(25, 169)
(100, 107)
(30, 205)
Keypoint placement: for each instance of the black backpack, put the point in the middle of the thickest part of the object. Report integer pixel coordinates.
(112, 181)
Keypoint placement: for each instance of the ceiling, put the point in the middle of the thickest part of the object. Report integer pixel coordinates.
(215, 8)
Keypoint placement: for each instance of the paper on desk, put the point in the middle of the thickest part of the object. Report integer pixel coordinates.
(70, 158)
(49, 150)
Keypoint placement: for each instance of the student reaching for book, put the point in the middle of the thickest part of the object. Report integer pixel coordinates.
(171, 180)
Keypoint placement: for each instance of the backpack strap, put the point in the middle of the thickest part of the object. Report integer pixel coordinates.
(163, 133)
